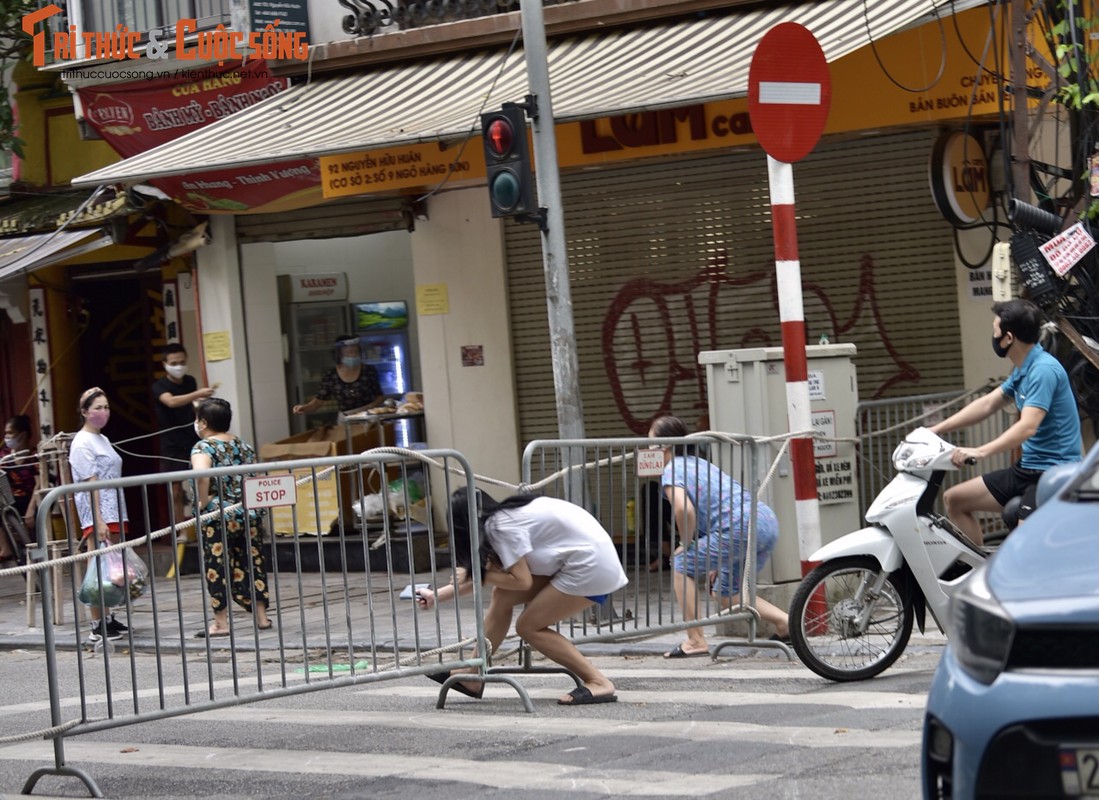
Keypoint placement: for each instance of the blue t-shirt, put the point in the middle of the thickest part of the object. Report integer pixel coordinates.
(1041, 382)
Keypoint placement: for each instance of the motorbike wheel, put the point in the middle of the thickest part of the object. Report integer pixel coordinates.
(824, 618)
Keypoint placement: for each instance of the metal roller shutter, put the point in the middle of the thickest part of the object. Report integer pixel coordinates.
(354, 217)
(667, 259)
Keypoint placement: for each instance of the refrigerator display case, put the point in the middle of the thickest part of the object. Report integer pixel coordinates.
(383, 332)
(311, 329)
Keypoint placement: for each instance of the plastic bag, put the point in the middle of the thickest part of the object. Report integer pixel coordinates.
(108, 579)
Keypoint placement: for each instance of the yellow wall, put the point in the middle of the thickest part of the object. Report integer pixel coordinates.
(53, 151)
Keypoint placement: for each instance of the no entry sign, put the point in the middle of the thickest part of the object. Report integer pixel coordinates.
(789, 92)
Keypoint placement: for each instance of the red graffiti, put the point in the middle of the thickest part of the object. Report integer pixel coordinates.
(714, 310)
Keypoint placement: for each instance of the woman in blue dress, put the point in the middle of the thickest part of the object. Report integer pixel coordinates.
(711, 513)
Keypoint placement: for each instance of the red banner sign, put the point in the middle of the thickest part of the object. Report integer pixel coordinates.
(134, 117)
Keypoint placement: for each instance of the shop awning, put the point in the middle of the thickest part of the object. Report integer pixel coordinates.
(40, 250)
(592, 75)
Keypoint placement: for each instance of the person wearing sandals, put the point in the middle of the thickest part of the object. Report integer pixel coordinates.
(548, 555)
(710, 512)
(232, 544)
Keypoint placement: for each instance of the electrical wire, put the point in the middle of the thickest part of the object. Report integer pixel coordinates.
(874, 49)
(477, 120)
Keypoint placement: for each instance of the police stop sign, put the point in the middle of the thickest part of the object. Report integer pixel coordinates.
(789, 92)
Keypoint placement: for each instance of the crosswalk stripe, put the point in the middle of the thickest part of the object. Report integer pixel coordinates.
(857, 700)
(589, 725)
(503, 774)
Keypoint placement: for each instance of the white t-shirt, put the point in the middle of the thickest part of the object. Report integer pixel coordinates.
(91, 456)
(561, 540)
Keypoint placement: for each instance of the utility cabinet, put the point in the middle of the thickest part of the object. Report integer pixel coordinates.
(747, 394)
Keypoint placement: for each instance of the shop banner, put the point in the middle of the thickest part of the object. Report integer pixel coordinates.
(134, 117)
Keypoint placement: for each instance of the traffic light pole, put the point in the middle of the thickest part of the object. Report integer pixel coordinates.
(555, 263)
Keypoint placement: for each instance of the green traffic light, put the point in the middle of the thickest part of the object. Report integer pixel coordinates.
(505, 190)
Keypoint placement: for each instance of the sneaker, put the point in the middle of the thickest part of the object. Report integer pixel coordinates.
(115, 629)
(95, 635)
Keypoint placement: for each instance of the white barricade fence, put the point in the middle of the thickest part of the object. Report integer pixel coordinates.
(341, 606)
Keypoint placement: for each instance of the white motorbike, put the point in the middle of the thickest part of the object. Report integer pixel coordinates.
(852, 615)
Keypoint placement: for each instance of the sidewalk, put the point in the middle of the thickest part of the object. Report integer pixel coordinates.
(315, 611)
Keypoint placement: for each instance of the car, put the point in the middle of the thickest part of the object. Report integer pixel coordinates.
(1013, 709)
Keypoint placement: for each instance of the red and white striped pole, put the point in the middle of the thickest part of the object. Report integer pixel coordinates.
(791, 311)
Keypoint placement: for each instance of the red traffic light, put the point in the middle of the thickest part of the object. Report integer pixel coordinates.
(499, 137)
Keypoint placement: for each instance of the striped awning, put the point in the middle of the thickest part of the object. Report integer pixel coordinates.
(19, 253)
(593, 75)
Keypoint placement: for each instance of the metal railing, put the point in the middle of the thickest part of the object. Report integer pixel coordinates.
(881, 425)
(346, 625)
(602, 476)
(369, 17)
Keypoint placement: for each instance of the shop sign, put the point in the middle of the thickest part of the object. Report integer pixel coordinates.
(318, 288)
(395, 168)
(137, 116)
(960, 184)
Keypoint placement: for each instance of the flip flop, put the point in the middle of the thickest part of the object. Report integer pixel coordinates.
(266, 627)
(208, 635)
(582, 696)
(679, 652)
(774, 637)
(440, 677)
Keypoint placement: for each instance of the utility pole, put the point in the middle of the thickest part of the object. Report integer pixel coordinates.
(566, 370)
(1020, 150)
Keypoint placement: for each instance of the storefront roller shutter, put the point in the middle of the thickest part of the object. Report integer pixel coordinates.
(667, 259)
(354, 217)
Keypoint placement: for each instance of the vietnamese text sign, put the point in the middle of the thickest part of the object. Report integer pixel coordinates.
(824, 422)
(1066, 249)
(398, 168)
(835, 481)
(816, 385)
(650, 463)
(432, 298)
(270, 491)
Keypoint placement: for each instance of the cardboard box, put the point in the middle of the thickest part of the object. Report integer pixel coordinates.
(331, 491)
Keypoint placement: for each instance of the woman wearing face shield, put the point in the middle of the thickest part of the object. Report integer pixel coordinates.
(352, 384)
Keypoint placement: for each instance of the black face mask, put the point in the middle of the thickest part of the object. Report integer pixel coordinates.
(1000, 350)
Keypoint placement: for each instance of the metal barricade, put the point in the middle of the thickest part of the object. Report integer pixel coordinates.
(601, 475)
(882, 424)
(339, 615)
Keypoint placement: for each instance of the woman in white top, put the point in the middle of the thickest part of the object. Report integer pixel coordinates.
(102, 512)
(548, 555)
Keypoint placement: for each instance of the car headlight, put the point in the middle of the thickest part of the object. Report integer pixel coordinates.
(981, 630)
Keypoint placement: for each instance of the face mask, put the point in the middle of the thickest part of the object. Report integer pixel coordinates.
(11, 442)
(198, 433)
(350, 361)
(98, 419)
(999, 349)
(176, 370)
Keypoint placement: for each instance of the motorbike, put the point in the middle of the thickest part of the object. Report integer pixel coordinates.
(852, 615)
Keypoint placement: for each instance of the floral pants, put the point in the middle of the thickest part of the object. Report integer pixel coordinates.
(233, 553)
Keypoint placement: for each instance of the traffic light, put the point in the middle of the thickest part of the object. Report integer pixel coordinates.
(507, 162)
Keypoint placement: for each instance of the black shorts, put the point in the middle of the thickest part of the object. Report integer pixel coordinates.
(1005, 484)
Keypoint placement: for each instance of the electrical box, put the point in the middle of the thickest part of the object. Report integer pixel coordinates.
(747, 394)
(1003, 275)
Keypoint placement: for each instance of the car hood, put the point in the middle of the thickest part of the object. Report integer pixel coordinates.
(1053, 555)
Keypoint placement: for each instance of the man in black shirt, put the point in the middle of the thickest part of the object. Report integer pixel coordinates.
(175, 395)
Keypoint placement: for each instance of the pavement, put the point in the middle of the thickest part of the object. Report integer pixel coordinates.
(333, 610)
